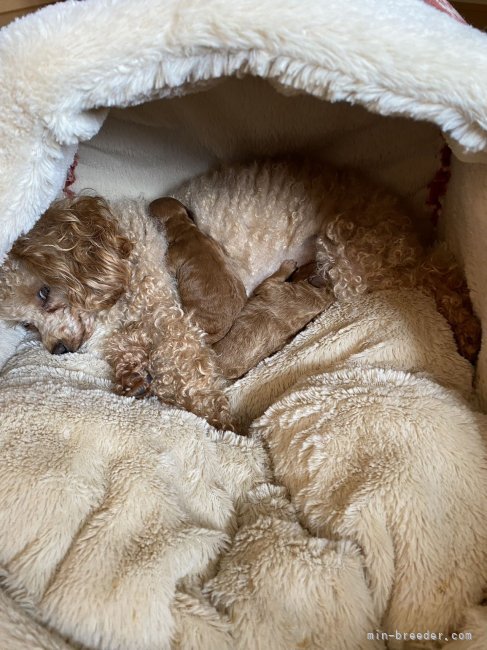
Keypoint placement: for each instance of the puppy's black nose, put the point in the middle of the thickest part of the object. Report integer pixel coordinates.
(60, 348)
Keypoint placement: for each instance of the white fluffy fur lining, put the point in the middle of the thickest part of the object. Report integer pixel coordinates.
(62, 66)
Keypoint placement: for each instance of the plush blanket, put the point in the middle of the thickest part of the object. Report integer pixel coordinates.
(356, 506)
(364, 415)
(127, 524)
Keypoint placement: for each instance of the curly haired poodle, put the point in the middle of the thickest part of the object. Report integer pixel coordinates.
(82, 270)
(90, 272)
(361, 234)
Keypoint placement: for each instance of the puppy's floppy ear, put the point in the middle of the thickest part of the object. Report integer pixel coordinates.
(78, 247)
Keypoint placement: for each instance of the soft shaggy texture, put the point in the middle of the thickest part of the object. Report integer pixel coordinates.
(10, 337)
(365, 427)
(128, 525)
(476, 626)
(114, 513)
(123, 524)
(59, 69)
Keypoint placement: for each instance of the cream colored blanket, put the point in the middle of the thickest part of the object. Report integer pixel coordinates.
(127, 524)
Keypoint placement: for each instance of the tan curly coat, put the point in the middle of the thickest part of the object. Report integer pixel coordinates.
(108, 284)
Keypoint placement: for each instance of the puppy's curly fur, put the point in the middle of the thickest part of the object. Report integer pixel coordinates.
(372, 244)
(83, 274)
(361, 235)
(108, 274)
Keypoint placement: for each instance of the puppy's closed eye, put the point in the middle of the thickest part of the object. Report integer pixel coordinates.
(43, 294)
(29, 326)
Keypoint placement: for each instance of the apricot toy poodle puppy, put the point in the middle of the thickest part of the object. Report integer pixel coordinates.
(361, 234)
(209, 287)
(275, 312)
(81, 272)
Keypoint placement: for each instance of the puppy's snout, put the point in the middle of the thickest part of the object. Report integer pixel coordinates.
(60, 348)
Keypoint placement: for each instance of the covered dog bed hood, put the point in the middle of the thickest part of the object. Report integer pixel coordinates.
(63, 67)
(131, 98)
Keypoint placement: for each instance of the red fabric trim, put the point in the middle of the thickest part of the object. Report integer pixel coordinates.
(439, 184)
(443, 5)
(71, 177)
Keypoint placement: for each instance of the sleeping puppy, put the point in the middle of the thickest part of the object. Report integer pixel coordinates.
(90, 272)
(275, 312)
(243, 333)
(209, 288)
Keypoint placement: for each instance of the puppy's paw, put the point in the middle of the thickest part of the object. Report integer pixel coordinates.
(288, 266)
(136, 385)
(286, 269)
(316, 280)
(309, 272)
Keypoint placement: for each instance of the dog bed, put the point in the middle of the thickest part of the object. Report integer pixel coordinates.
(130, 525)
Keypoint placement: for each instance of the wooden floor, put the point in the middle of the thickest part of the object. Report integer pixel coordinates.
(10, 9)
(474, 13)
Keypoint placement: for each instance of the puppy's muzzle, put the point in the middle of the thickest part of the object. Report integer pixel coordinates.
(60, 348)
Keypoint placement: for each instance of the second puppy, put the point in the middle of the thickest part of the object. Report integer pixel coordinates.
(210, 290)
(275, 312)
(242, 332)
